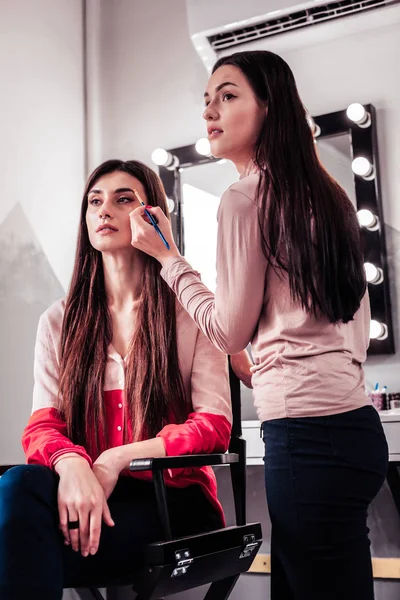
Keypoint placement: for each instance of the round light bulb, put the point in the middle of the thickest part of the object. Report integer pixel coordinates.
(171, 204)
(361, 166)
(366, 218)
(160, 157)
(356, 112)
(373, 274)
(377, 330)
(203, 146)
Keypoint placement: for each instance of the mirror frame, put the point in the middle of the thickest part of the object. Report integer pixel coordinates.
(363, 142)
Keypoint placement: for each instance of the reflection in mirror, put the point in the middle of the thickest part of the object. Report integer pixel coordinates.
(202, 188)
(335, 154)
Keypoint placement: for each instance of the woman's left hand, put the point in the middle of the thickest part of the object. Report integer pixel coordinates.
(107, 469)
(146, 238)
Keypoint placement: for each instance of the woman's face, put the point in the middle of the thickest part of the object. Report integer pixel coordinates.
(233, 114)
(110, 200)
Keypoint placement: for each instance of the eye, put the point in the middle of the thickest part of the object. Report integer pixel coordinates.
(225, 96)
(124, 200)
(94, 201)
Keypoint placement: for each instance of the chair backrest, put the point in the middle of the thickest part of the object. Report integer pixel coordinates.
(234, 382)
(237, 446)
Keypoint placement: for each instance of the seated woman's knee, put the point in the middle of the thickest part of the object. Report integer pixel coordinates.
(21, 486)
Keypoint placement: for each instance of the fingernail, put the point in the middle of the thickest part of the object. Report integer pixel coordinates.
(148, 206)
(66, 542)
(85, 554)
(92, 550)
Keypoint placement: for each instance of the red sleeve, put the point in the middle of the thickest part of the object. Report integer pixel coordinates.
(44, 439)
(201, 433)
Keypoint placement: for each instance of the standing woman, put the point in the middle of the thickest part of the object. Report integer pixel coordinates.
(290, 280)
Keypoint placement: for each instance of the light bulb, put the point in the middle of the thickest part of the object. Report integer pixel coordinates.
(361, 166)
(171, 205)
(377, 330)
(203, 146)
(367, 219)
(373, 274)
(160, 157)
(357, 113)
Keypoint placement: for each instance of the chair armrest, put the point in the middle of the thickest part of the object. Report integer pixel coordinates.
(181, 462)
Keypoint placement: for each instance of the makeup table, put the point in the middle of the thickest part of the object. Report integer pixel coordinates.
(391, 425)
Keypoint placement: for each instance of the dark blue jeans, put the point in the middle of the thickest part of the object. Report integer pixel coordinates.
(321, 474)
(35, 563)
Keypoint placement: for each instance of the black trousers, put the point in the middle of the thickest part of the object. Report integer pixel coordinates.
(321, 473)
(35, 563)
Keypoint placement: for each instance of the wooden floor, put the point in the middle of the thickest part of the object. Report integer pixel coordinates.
(383, 568)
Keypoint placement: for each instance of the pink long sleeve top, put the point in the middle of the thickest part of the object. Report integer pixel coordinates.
(304, 366)
(205, 377)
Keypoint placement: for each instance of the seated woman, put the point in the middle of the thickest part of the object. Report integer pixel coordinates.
(121, 372)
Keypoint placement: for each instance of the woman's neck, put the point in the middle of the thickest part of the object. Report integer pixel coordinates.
(245, 167)
(123, 279)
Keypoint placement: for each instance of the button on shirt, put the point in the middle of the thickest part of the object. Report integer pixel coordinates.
(114, 395)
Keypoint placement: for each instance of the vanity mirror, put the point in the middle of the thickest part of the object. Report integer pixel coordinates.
(347, 146)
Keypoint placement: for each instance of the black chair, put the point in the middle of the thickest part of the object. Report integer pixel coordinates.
(217, 557)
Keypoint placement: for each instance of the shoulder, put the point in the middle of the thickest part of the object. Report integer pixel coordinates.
(51, 320)
(246, 187)
(241, 194)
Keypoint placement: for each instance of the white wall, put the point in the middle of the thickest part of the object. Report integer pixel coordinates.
(42, 158)
(153, 80)
(41, 120)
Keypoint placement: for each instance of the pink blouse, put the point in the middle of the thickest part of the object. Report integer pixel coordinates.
(304, 366)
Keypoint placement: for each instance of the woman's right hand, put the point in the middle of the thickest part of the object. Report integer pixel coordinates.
(81, 498)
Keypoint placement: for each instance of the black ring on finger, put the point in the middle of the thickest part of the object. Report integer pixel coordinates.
(73, 524)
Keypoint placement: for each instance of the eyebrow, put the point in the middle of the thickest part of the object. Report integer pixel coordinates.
(118, 191)
(220, 86)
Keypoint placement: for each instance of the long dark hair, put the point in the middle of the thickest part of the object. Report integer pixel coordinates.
(154, 387)
(309, 225)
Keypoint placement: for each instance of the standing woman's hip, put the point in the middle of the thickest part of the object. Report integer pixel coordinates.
(321, 475)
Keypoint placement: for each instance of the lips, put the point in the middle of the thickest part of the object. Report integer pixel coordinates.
(106, 228)
(214, 132)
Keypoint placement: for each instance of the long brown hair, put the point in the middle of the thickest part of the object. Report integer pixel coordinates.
(309, 225)
(154, 387)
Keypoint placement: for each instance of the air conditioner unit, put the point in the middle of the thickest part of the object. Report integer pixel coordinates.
(220, 27)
